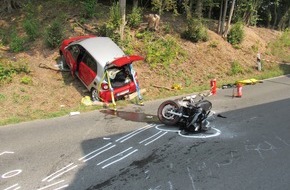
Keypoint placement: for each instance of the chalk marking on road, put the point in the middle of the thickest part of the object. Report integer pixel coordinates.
(62, 187)
(164, 133)
(95, 151)
(120, 158)
(133, 133)
(170, 185)
(60, 172)
(45, 187)
(167, 130)
(15, 185)
(6, 152)
(283, 141)
(202, 136)
(150, 137)
(120, 153)
(259, 148)
(191, 178)
(11, 174)
(102, 151)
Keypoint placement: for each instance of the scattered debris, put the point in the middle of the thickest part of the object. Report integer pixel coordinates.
(74, 113)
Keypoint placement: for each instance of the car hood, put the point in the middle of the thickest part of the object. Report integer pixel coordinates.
(121, 61)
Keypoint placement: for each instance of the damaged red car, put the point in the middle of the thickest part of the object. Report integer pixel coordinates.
(101, 66)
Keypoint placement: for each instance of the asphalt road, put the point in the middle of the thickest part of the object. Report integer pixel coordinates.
(248, 148)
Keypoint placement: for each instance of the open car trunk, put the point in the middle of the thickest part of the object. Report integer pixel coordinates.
(119, 70)
(120, 76)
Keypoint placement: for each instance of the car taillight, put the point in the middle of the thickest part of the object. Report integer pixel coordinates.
(105, 86)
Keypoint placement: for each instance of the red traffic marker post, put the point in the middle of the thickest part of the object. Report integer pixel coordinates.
(239, 90)
(213, 86)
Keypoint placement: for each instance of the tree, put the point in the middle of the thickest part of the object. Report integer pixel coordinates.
(10, 5)
(123, 18)
(229, 19)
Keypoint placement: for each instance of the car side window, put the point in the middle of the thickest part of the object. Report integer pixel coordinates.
(90, 62)
(74, 50)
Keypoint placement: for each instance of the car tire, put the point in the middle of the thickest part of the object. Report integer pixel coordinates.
(94, 95)
(63, 63)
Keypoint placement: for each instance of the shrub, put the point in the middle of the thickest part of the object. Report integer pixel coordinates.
(90, 7)
(26, 80)
(236, 34)
(236, 68)
(31, 27)
(17, 43)
(8, 70)
(135, 18)
(54, 34)
(195, 31)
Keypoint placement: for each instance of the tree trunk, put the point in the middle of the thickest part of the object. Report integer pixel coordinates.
(230, 19)
(220, 18)
(123, 18)
(198, 9)
(224, 16)
(135, 3)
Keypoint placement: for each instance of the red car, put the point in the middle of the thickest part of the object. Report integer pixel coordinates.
(101, 66)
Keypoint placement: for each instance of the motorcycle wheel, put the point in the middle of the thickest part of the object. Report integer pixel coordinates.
(165, 117)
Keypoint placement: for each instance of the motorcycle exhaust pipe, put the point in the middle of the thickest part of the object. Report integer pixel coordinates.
(178, 114)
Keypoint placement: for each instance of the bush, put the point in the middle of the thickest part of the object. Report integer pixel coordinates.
(17, 43)
(90, 7)
(31, 27)
(54, 34)
(135, 18)
(195, 31)
(8, 70)
(236, 68)
(236, 34)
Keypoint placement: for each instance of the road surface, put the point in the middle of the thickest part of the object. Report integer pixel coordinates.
(248, 148)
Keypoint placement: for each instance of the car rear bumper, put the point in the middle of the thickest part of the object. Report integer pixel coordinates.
(119, 93)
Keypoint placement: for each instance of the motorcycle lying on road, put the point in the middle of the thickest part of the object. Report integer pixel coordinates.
(190, 112)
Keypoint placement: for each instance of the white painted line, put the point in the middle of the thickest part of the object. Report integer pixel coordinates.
(120, 153)
(62, 173)
(99, 153)
(61, 187)
(202, 136)
(11, 174)
(120, 159)
(156, 138)
(15, 185)
(6, 152)
(51, 185)
(150, 137)
(133, 133)
(59, 172)
(167, 130)
(95, 151)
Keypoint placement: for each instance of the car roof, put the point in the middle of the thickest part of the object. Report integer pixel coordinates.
(103, 49)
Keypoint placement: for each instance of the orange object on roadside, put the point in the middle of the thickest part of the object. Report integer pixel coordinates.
(239, 90)
(213, 86)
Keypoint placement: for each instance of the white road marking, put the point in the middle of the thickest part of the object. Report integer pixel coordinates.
(11, 174)
(15, 185)
(61, 187)
(102, 151)
(60, 172)
(120, 153)
(120, 158)
(150, 137)
(51, 185)
(6, 152)
(156, 138)
(133, 133)
(95, 151)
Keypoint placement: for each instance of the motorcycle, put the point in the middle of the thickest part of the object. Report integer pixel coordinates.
(192, 113)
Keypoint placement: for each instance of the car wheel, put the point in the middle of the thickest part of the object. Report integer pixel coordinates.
(94, 95)
(62, 62)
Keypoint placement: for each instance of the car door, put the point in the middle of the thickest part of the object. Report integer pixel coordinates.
(72, 54)
(87, 69)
